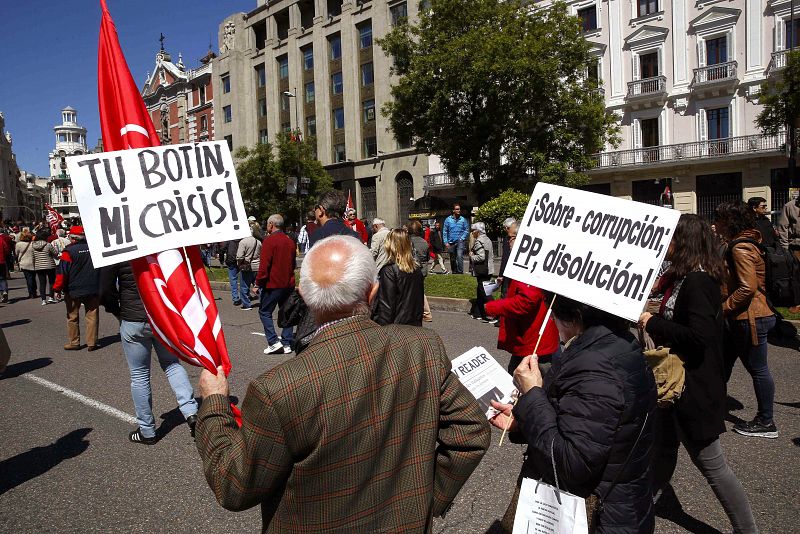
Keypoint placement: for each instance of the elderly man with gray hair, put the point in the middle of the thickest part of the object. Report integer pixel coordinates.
(510, 226)
(378, 238)
(367, 430)
(276, 280)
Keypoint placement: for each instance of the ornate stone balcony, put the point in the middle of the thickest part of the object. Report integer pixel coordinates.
(743, 146)
(714, 78)
(778, 61)
(647, 87)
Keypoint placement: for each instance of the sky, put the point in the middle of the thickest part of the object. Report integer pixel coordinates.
(48, 58)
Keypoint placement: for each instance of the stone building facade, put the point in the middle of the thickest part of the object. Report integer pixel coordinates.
(9, 176)
(684, 77)
(70, 141)
(180, 100)
(314, 66)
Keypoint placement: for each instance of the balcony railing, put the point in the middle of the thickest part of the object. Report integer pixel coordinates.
(714, 148)
(720, 72)
(443, 180)
(648, 86)
(778, 61)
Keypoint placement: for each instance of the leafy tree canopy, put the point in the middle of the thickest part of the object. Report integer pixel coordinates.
(497, 89)
(507, 204)
(781, 103)
(264, 171)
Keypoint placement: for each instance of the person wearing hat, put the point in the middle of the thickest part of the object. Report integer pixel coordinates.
(79, 281)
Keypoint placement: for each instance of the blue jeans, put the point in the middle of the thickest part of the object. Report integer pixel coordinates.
(233, 278)
(456, 251)
(137, 340)
(270, 298)
(754, 359)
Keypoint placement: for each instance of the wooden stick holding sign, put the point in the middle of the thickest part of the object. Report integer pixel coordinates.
(535, 355)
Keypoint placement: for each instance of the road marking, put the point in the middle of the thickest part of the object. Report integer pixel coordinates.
(262, 334)
(105, 408)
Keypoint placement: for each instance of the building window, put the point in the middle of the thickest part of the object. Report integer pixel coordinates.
(335, 42)
(370, 147)
(308, 58)
(647, 7)
(204, 123)
(229, 140)
(369, 110)
(399, 13)
(283, 67)
(367, 74)
(338, 118)
(792, 31)
(201, 91)
(285, 102)
(262, 107)
(337, 84)
(62, 138)
(717, 50)
(227, 113)
(309, 92)
(588, 16)
(648, 65)
(405, 190)
(226, 83)
(261, 75)
(311, 126)
(339, 153)
(263, 138)
(593, 71)
(403, 145)
(365, 35)
(718, 123)
(286, 127)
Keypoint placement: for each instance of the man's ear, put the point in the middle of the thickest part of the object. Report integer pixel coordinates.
(373, 291)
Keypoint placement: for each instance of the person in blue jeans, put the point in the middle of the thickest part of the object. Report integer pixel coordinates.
(120, 296)
(276, 280)
(454, 234)
(749, 314)
(237, 294)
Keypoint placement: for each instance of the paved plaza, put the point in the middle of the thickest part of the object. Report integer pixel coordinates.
(66, 464)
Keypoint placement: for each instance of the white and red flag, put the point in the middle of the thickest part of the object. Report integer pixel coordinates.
(54, 218)
(350, 205)
(173, 284)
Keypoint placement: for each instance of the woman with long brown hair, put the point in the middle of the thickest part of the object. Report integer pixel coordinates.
(690, 322)
(401, 285)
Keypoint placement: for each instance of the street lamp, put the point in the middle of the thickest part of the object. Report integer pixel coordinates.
(290, 94)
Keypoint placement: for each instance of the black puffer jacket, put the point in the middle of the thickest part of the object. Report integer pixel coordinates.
(400, 298)
(593, 404)
(119, 293)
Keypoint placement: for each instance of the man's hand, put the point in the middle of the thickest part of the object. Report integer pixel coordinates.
(643, 318)
(501, 420)
(527, 374)
(212, 384)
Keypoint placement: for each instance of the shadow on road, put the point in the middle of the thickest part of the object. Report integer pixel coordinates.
(18, 322)
(796, 442)
(108, 340)
(26, 466)
(20, 368)
(169, 421)
(669, 507)
(789, 404)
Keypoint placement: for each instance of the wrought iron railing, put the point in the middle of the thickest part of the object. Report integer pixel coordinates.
(647, 86)
(719, 72)
(747, 144)
(778, 61)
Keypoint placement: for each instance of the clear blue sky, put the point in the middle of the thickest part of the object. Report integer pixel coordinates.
(48, 58)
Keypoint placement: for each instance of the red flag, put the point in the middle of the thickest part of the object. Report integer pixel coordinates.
(349, 201)
(53, 218)
(173, 284)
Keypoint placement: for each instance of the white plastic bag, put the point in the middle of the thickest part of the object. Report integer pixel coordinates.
(543, 509)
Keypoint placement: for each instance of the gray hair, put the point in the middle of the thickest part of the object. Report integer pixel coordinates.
(377, 221)
(508, 223)
(333, 202)
(60, 232)
(348, 294)
(480, 227)
(275, 220)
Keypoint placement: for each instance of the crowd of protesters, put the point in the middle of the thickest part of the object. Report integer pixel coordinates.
(588, 408)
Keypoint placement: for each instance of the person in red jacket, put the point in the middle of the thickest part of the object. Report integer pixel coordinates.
(356, 225)
(276, 279)
(521, 315)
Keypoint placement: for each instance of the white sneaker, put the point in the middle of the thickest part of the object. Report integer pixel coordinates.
(277, 348)
(287, 349)
(44, 303)
(51, 300)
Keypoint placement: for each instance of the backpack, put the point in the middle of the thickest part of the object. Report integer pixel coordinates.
(782, 273)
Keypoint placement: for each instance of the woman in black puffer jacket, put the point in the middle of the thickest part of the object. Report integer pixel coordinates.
(595, 409)
(401, 285)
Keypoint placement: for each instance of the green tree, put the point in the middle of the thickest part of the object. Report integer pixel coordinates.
(497, 89)
(507, 204)
(264, 171)
(780, 98)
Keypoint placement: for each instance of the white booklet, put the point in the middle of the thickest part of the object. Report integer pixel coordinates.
(484, 378)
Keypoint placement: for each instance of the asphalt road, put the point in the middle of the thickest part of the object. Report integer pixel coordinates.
(66, 466)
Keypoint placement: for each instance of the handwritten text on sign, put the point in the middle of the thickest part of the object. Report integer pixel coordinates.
(597, 249)
(143, 201)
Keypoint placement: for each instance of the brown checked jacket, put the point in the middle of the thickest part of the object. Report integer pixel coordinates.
(366, 431)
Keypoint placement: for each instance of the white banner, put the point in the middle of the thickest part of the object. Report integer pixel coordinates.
(484, 378)
(599, 250)
(146, 200)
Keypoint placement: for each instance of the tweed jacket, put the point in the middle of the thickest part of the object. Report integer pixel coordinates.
(366, 431)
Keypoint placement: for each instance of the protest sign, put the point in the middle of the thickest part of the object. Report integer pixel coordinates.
(146, 200)
(599, 250)
(484, 378)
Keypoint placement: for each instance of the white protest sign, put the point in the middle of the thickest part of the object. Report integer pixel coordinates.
(596, 249)
(484, 378)
(146, 200)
